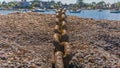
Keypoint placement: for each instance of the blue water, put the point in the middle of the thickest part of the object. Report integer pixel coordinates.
(4, 12)
(95, 14)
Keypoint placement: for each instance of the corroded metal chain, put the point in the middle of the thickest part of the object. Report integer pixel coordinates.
(62, 48)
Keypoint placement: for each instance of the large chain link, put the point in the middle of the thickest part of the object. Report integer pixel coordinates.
(62, 50)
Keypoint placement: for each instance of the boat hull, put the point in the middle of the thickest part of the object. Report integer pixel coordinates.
(38, 11)
(72, 11)
(115, 11)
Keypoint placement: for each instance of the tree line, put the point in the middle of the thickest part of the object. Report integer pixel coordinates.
(80, 4)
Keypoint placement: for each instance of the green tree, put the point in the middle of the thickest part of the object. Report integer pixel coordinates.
(56, 6)
(35, 3)
(75, 6)
(93, 5)
(0, 4)
(11, 4)
(101, 4)
(117, 5)
(89, 6)
(6, 6)
(80, 3)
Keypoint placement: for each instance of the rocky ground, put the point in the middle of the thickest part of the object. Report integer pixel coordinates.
(26, 41)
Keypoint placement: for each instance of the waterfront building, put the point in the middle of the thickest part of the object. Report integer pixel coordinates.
(25, 4)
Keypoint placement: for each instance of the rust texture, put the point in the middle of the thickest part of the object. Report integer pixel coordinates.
(62, 49)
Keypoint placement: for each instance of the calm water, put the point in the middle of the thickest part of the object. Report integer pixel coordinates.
(95, 14)
(4, 12)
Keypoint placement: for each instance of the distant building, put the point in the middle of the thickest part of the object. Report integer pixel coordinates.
(65, 6)
(108, 5)
(59, 3)
(25, 4)
(113, 6)
(44, 4)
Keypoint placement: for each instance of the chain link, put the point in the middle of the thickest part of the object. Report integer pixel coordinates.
(62, 51)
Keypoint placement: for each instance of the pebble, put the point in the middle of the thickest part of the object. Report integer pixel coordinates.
(33, 35)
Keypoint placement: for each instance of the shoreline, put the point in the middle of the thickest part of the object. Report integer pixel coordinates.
(94, 14)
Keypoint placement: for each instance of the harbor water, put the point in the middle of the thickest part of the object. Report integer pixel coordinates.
(95, 14)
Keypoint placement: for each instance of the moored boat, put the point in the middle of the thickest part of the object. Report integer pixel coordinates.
(38, 10)
(75, 11)
(115, 11)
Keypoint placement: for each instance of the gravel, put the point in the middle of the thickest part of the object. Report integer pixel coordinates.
(26, 41)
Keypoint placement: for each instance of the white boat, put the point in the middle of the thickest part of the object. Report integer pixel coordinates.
(75, 11)
(115, 11)
(38, 10)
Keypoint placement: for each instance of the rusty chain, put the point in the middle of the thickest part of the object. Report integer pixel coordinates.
(62, 51)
